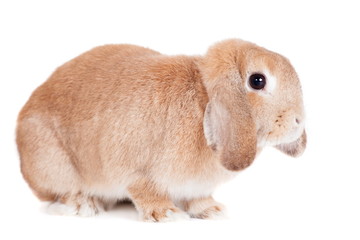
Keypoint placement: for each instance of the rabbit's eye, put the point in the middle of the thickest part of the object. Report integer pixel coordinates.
(257, 81)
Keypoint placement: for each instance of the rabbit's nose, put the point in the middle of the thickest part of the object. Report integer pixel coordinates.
(298, 120)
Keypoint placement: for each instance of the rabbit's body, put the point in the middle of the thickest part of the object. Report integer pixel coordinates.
(82, 139)
(122, 121)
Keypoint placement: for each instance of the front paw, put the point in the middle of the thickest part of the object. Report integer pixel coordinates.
(205, 208)
(163, 215)
(213, 212)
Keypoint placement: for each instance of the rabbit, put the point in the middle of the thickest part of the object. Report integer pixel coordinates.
(126, 122)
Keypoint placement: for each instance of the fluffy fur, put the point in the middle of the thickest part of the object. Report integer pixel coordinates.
(123, 121)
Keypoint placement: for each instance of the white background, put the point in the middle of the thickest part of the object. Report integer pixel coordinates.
(312, 197)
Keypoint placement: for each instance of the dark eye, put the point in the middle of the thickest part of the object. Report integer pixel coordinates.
(257, 81)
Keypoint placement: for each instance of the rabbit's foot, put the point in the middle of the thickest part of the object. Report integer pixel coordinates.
(204, 208)
(77, 204)
(163, 214)
(153, 204)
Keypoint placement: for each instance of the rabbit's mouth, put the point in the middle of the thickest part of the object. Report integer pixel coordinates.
(293, 143)
(282, 135)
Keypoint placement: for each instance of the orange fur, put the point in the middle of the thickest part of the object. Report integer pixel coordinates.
(122, 121)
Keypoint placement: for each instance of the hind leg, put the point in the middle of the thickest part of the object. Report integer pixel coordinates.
(49, 170)
(45, 164)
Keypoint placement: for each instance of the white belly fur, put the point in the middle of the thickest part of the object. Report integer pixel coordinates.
(190, 189)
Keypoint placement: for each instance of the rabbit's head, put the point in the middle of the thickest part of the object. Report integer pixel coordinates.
(255, 99)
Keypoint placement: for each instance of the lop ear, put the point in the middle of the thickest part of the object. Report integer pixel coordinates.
(229, 127)
(295, 148)
(230, 132)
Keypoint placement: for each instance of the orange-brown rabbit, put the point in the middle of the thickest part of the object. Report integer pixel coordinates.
(126, 122)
